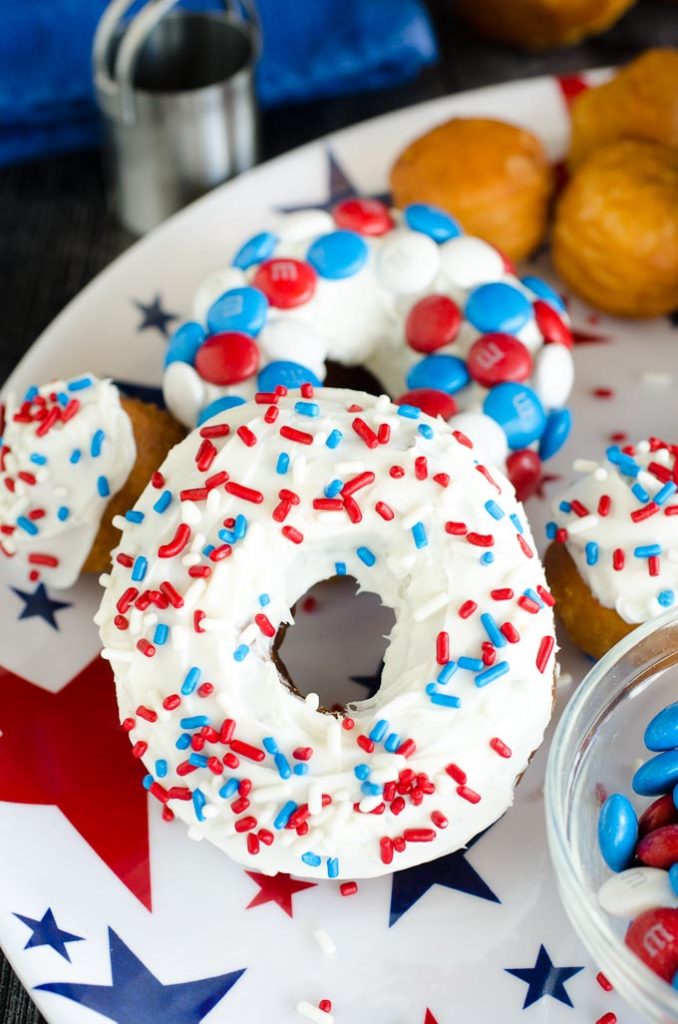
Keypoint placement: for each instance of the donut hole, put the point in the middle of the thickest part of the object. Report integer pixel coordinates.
(337, 644)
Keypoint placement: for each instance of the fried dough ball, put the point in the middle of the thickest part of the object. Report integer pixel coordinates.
(615, 237)
(493, 176)
(640, 102)
(155, 432)
(541, 24)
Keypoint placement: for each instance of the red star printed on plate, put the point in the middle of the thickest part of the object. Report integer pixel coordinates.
(276, 889)
(429, 1018)
(67, 749)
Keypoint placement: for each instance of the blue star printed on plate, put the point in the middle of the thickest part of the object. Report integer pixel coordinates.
(155, 315)
(372, 683)
(143, 392)
(40, 605)
(339, 186)
(46, 932)
(452, 871)
(544, 979)
(135, 996)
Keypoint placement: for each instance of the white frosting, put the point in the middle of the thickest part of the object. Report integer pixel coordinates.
(634, 593)
(52, 500)
(219, 623)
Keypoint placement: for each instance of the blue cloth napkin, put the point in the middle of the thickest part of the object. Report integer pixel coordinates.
(311, 49)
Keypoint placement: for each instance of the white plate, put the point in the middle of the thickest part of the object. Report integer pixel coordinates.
(434, 944)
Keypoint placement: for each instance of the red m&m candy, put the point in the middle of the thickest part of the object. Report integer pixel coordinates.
(553, 328)
(227, 358)
(429, 400)
(524, 471)
(432, 322)
(286, 282)
(661, 811)
(497, 357)
(654, 938)
(366, 216)
(659, 848)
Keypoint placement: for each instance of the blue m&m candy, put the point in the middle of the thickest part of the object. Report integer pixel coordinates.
(544, 291)
(431, 221)
(218, 405)
(238, 309)
(658, 775)
(443, 373)
(290, 375)
(517, 409)
(184, 343)
(662, 731)
(338, 254)
(498, 307)
(255, 250)
(556, 432)
(617, 832)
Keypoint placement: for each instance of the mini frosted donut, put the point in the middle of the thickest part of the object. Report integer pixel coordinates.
(68, 462)
(613, 560)
(245, 515)
(438, 317)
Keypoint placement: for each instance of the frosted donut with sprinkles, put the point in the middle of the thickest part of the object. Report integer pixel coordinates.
(244, 516)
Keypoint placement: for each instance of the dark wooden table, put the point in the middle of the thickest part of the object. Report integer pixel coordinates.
(56, 232)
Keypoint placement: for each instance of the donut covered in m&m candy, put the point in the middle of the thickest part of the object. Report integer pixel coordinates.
(613, 558)
(439, 318)
(73, 455)
(263, 501)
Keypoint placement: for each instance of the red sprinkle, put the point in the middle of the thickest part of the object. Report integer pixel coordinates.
(271, 414)
(442, 479)
(386, 849)
(604, 505)
(384, 433)
(302, 753)
(384, 510)
(603, 393)
(292, 434)
(467, 609)
(128, 724)
(524, 546)
(146, 647)
(407, 748)
(348, 888)
(227, 730)
(603, 982)
(396, 472)
(172, 595)
(421, 467)
(653, 565)
(365, 433)
(252, 844)
(139, 749)
(218, 430)
(468, 794)
(246, 493)
(356, 483)
(645, 512)
(443, 647)
(546, 596)
(502, 594)
(480, 540)
(418, 835)
(172, 702)
(291, 533)
(328, 504)
(206, 455)
(618, 559)
(246, 824)
(146, 713)
(157, 480)
(607, 1018)
(177, 544)
(500, 747)
(264, 624)
(325, 1005)
(544, 653)
(365, 743)
(247, 750)
(456, 773)
(456, 529)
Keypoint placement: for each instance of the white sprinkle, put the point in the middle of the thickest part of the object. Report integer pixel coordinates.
(315, 799)
(119, 522)
(212, 502)
(600, 474)
(346, 468)
(657, 378)
(581, 525)
(150, 619)
(299, 469)
(312, 701)
(320, 438)
(210, 811)
(368, 803)
(417, 516)
(195, 834)
(104, 579)
(191, 559)
(110, 655)
(565, 680)
(584, 466)
(382, 403)
(250, 634)
(430, 607)
(190, 513)
(262, 794)
(325, 941)
(198, 542)
(643, 447)
(313, 1013)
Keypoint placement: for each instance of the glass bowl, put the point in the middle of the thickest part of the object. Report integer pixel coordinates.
(595, 751)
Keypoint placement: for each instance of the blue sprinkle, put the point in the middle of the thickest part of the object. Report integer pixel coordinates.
(38, 459)
(517, 522)
(62, 398)
(371, 789)
(240, 528)
(264, 599)
(335, 439)
(208, 549)
(425, 430)
(392, 742)
(641, 494)
(27, 525)
(161, 634)
(228, 536)
(230, 789)
(431, 688)
(147, 781)
(362, 771)
(647, 550)
(161, 768)
(75, 455)
(492, 673)
(300, 769)
(492, 629)
(487, 558)
(614, 454)
(472, 664)
(199, 801)
(283, 464)
(270, 745)
(366, 556)
(591, 553)
(31, 394)
(419, 534)
(666, 492)
(103, 487)
(495, 511)
(447, 671)
(198, 760)
(63, 512)
(163, 501)
(666, 598)
(628, 466)
(97, 442)
(410, 412)
(134, 516)
(139, 568)
(332, 867)
(284, 814)
(333, 488)
(241, 652)
(307, 408)
(445, 700)
(80, 384)
(283, 766)
(194, 722)
(312, 859)
(544, 291)
(340, 568)
(191, 681)
(184, 742)
(564, 506)
(379, 730)
(551, 530)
